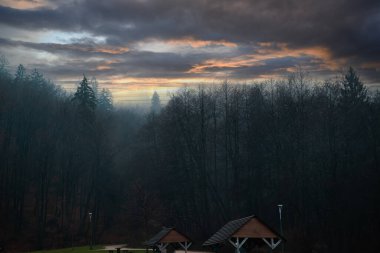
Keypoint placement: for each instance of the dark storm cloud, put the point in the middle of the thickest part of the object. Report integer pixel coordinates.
(36, 18)
(76, 49)
(149, 64)
(131, 63)
(349, 28)
(274, 66)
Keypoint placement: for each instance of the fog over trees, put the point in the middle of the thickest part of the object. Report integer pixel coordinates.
(209, 155)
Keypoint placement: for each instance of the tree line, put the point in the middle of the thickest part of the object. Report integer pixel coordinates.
(218, 153)
(212, 154)
(57, 154)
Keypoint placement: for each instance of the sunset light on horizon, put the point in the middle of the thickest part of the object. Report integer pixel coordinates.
(189, 126)
(137, 47)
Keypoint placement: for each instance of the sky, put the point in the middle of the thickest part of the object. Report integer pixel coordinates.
(137, 47)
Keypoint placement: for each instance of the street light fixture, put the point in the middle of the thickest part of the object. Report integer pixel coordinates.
(90, 216)
(282, 233)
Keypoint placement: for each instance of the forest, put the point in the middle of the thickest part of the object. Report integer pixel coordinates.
(211, 154)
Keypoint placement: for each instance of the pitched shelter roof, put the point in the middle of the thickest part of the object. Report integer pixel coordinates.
(167, 235)
(248, 227)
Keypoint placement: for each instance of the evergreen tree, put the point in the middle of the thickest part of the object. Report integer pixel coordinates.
(105, 101)
(156, 103)
(37, 78)
(95, 86)
(85, 99)
(20, 74)
(353, 91)
(3, 65)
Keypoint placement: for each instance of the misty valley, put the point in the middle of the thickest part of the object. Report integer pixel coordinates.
(211, 154)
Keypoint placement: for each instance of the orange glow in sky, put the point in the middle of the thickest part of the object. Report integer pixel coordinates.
(137, 47)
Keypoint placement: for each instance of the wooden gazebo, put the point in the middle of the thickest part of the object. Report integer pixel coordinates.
(237, 232)
(168, 236)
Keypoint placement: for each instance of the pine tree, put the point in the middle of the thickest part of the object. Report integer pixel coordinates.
(95, 86)
(85, 99)
(3, 65)
(156, 104)
(20, 74)
(105, 101)
(37, 78)
(353, 92)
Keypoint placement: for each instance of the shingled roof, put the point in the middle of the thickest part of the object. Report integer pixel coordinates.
(167, 235)
(157, 237)
(227, 231)
(234, 229)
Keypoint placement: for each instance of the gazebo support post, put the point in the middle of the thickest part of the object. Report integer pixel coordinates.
(185, 246)
(272, 244)
(162, 246)
(238, 244)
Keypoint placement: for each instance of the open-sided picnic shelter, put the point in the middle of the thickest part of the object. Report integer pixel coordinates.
(237, 232)
(169, 236)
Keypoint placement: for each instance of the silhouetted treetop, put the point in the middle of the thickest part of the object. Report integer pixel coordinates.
(155, 103)
(353, 90)
(105, 100)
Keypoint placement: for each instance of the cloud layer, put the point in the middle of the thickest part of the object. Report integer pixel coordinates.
(191, 40)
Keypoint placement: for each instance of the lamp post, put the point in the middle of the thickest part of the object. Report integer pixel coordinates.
(282, 234)
(90, 216)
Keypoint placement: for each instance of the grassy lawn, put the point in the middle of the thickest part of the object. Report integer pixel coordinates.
(83, 249)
